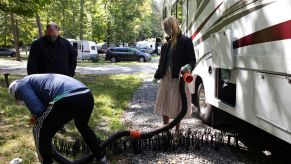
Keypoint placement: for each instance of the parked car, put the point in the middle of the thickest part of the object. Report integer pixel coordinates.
(102, 47)
(140, 49)
(7, 52)
(126, 54)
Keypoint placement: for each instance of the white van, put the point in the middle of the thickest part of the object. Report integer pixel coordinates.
(86, 50)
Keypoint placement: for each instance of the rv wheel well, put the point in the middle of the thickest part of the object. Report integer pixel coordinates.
(198, 81)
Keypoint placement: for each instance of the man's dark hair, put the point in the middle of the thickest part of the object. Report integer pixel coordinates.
(52, 24)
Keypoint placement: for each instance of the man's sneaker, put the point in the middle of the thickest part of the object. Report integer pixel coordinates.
(102, 160)
(62, 130)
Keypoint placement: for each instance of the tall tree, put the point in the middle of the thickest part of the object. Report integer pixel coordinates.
(15, 32)
(39, 26)
(4, 29)
(81, 18)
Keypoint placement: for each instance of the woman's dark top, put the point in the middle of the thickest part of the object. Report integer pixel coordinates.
(182, 54)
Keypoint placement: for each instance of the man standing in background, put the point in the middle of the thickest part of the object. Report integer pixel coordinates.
(52, 54)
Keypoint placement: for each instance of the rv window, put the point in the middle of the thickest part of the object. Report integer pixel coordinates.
(92, 47)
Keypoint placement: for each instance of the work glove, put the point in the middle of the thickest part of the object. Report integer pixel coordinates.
(186, 68)
(155, 81)
(32, 120)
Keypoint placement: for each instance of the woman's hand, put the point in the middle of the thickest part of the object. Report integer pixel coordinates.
(186, 68)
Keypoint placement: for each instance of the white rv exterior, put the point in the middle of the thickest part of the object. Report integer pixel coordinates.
(242, 49)
(87, 50)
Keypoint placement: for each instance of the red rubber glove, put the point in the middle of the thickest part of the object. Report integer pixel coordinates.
(32, 120)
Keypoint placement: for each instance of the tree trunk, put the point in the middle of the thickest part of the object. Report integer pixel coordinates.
(14, 26)
(81, 18)
(5, 29)
(63, 21)
(108, 34)
(63, 17)
(108, 30)
(39, 26)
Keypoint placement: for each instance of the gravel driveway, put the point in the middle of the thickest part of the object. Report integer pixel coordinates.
(140, 116)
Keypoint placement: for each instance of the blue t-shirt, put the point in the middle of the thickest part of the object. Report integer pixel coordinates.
(38, 90)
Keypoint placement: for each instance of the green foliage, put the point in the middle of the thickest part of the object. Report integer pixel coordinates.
(119, 21)
(22, 7)
(5, 34)
(66, 14)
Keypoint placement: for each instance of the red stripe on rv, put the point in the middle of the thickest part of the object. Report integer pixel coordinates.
(205, 21)
(277, 32)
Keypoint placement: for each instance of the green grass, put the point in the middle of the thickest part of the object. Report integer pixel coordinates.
(111, 94)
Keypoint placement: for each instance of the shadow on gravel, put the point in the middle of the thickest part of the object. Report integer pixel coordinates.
(258, 145)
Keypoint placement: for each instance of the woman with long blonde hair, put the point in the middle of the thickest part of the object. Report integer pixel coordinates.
(176, 52)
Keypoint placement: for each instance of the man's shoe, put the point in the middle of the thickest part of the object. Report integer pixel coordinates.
(62, 130)
(102, 160)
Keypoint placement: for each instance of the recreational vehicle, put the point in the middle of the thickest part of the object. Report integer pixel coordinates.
(86, 50)
(148, 46)
(243, 57)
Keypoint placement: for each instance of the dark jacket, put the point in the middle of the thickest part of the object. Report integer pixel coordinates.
(47, 57)
(182, 54)
(39, 89)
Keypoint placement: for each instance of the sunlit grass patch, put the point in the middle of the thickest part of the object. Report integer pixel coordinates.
(111, 94)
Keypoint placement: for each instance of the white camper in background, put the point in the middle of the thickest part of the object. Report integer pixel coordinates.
(86, 50)
(243, 59)
(147, 45)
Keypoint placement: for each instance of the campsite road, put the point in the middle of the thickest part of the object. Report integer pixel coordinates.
(16, 67)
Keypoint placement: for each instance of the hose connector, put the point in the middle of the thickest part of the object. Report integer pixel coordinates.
(135, 134)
